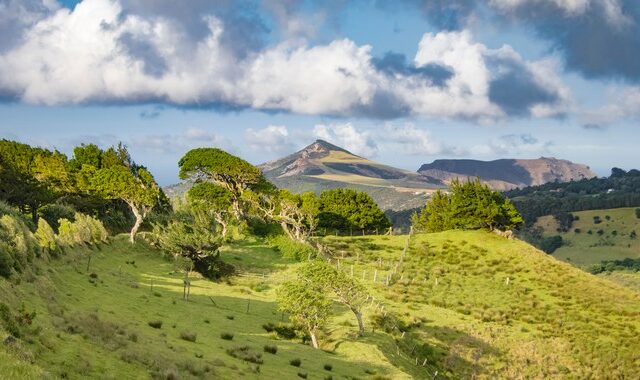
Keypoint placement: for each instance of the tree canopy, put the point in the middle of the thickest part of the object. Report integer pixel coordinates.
(346, 209)
(217, 166)
(469, 205)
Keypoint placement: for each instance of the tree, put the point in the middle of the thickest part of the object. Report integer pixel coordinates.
(135, 186)
(469, 205)
(217, 166)
(307, 307)
(192, 238)
(346, 290)
(346, 209)
(297, 214)
(211, 199)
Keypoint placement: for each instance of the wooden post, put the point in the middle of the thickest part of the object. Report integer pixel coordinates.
(363, 232)
(248, 304)
(89, 261)
(351, 270)
(375, 276)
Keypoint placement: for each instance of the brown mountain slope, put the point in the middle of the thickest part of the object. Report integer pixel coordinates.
(507, 174)
(321, 166)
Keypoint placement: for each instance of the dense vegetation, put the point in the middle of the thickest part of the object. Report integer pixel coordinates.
(213, 286)
(620, 189)
(468, 205)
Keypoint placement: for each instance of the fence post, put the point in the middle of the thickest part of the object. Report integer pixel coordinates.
(375, 275)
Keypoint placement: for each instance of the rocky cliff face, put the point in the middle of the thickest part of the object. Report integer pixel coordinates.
(508, 174)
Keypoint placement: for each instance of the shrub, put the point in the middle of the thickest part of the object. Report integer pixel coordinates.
(226, 336)
(551, 244)
(328, 367)
(230, 317)
(638, 213)
(577, 230)
(291, 249)
(597, 220)
(245, 353)
(188, 336)
(271, 348)
(46, 237)
(295, 362)
(8, 321)
(18, 247)
(302, 375)
(84, 230)
(52, 214)
(155, 324)
(269, 327)
(285, 331)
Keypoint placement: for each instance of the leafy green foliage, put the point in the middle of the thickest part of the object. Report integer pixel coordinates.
(84, 230)
(213, 200)
(306, 306)
(551, 243)
(470, 205)
(217, 166)
(193, 239)
(328, 280)
(345, 209)
(615, 265)
(53, 212)
(291, 249)
(621, 189)
(18, 247)
(46, 237)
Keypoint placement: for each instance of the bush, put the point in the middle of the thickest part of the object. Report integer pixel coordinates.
(328, 367)
(577, 230)
(295, 362)
(551, 244)
(155, 324)
(638, 213)
(46, 237)
(8, 321)
(245, 353)
(52, 213)
(84, 230)
(226, 336)
(285, 331)
(269, 327)
(271, 348)
(302, 375)
(188, 336)
(597, 220)
(291, 249)
(18, 246)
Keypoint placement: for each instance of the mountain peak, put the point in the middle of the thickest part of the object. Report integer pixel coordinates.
(320, 144)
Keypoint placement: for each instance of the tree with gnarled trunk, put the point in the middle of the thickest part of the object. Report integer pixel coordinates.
(135, 186)
(213, 200)
(306, 306)
(217, 166)
(328, 280)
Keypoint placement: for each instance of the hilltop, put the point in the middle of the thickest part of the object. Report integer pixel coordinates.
(464, 304)
(506, 174)
(321, 166)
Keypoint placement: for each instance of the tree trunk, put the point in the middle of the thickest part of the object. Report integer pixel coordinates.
(314, 339)
(286, 229)
(136, 225)
(220, 219)
(358, 315)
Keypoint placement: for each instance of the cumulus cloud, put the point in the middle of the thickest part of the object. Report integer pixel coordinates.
(273, 139)
(623, 104)
(180, 142)
(413, 140)
(143, 51)
(348, 137)
(513, 144)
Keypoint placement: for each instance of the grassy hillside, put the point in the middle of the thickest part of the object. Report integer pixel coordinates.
(492, 307)
(462, 303)
(589, 242)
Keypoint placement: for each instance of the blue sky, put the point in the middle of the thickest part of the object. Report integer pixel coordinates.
(401, 82)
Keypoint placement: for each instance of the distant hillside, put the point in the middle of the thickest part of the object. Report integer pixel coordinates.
(508, 174)
(321, 166)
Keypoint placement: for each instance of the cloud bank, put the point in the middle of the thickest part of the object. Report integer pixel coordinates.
(185, 55)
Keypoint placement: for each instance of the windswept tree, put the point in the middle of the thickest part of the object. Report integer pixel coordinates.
(135, 186)
(213, 200)
(224, 169)
(469, 205)
(308, 308)
(297, 214)
(345, 289)
(345, 209)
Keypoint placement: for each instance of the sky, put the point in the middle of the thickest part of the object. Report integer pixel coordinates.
(399, 82)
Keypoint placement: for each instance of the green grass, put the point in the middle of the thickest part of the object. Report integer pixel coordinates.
(584, 249)
(87, 329)
(550, 319)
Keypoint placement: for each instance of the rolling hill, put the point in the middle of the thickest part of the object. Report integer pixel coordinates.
(464, 304)
(321, 166)
(506, 174)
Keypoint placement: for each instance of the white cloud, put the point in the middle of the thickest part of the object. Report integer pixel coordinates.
(181, 142)
(273, 139)
(573, 8)
(102, 53)
(348, 137)
(623, 104)
(410, 139)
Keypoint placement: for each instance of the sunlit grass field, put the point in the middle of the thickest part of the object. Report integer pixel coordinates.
(462, 303)
(588, 242)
